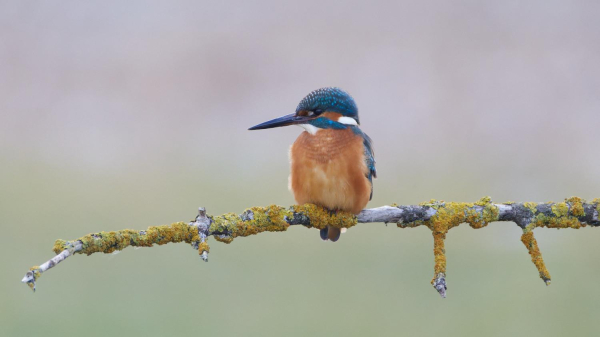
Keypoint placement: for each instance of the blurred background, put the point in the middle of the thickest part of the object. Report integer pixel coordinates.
(119, 115)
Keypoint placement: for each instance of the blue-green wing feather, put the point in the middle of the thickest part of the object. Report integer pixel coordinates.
(370, 161)
(369, 156)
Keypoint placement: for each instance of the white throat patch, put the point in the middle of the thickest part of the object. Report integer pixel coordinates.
(309, 128)
(347, 120)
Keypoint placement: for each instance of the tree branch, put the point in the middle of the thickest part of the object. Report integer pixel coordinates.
(438, 216)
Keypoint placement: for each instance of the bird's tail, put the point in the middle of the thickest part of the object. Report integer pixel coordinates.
(331, 233)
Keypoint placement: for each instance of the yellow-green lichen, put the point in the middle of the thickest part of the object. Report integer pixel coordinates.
(36, 272)
(566, 221)
(452, 214)
(536, 256)
(433, 203)
(560, 209)
(270, 219)
(531, 226)
(203, 247)
(439, 253)
(532, 206)
(490, 213)
(446, 217)
(275, 219)
(576, 206)
(321, 217)
(597, 202)
(226, 223)
(484, 201)
(108, 242)
(563, 215)
(474, 218)
(59, 246)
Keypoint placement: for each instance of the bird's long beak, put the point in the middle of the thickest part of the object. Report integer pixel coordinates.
(286, 120)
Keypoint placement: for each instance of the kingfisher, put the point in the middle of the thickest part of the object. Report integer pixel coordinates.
(332, 161)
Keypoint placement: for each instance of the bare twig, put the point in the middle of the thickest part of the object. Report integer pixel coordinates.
(438, 216)
(35, 272)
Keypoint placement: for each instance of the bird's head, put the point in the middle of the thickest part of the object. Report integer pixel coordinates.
(325, 108)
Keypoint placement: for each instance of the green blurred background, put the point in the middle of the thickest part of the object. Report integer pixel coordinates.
(130, 114)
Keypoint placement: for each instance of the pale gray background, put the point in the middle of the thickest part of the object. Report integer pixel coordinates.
(127, 114)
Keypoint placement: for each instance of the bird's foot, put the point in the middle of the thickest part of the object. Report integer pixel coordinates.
(323, 234)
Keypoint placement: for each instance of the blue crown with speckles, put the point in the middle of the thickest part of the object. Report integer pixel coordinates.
(329, 99)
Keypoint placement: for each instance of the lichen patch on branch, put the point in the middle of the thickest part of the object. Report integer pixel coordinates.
(321, 217)
(439, 252)
(536, 256)
(447, 216)
(108, 242)
(275, 218)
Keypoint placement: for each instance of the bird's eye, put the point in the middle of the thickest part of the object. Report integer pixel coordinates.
(315, 112)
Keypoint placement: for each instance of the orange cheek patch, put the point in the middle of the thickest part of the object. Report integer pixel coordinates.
(334, 116)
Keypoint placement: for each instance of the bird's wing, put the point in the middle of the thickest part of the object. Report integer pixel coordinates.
(369, 156)
(370, 161)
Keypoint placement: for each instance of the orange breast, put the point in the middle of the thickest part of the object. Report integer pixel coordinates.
(328, 169)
